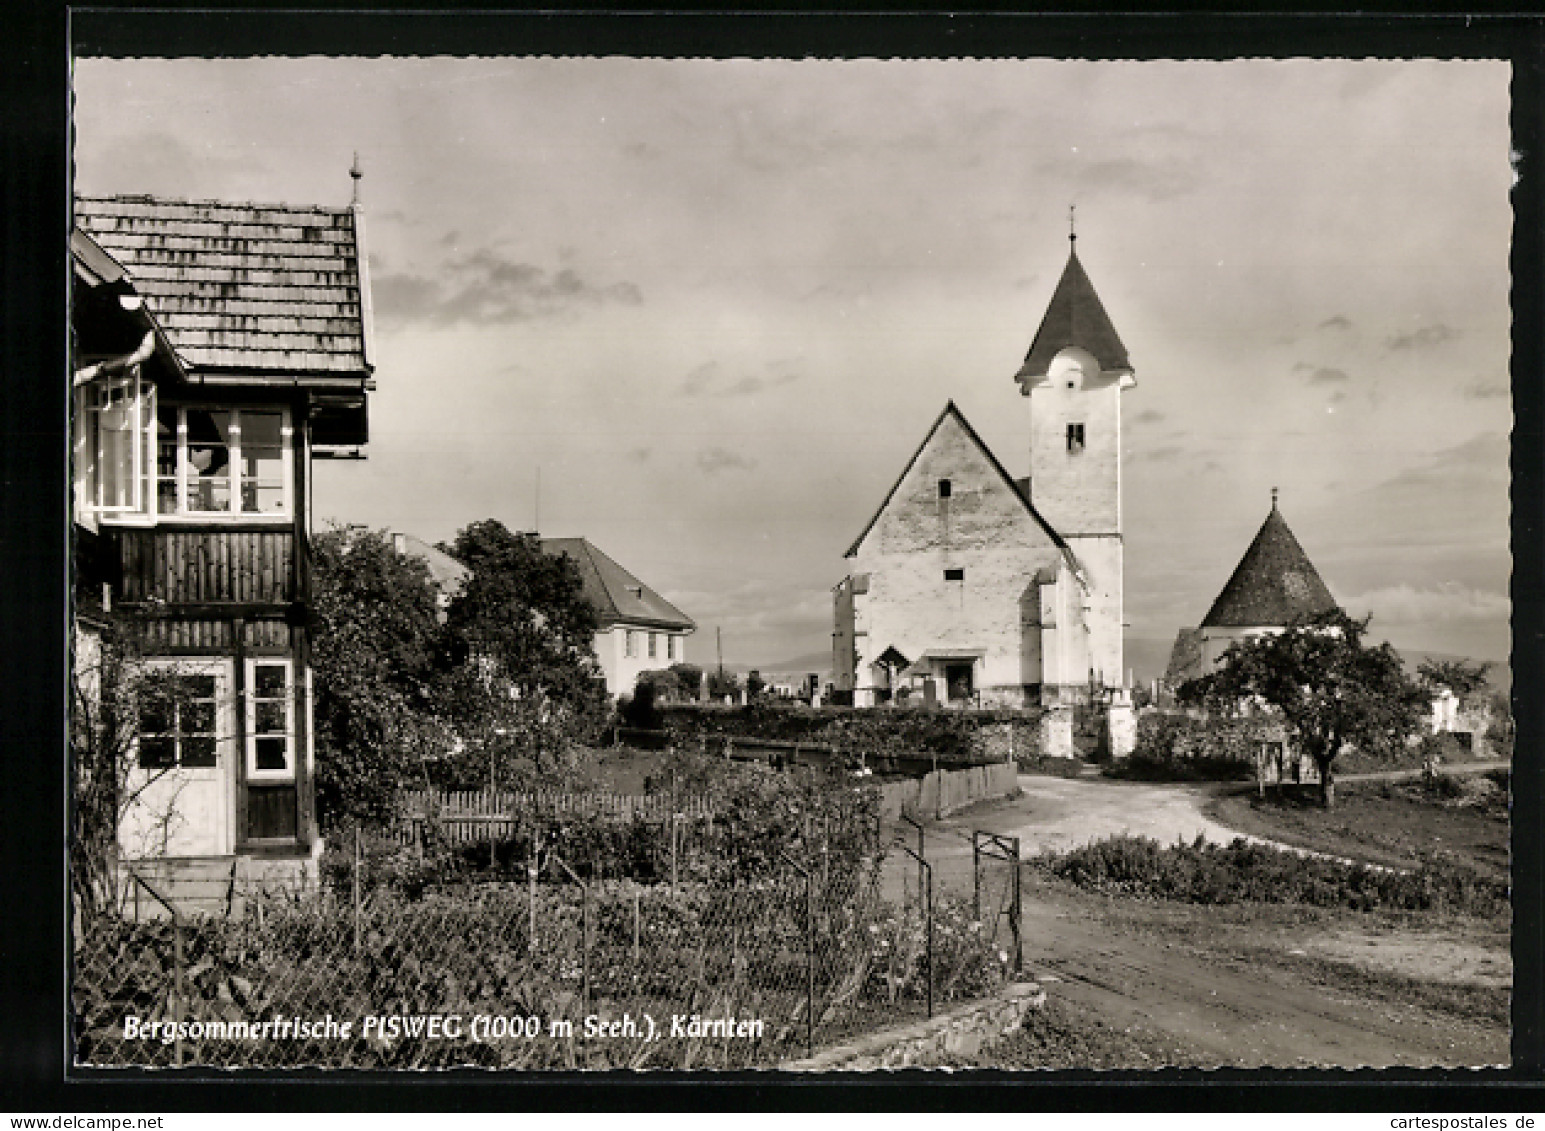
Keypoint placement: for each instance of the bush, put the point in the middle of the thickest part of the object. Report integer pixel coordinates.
(1242, 872)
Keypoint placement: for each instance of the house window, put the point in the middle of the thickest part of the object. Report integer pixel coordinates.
(652, 637)
(629, 643)
(954, 575)
(177, 723)
(1075, 437)
(115, 445)
(944, 488)
(673, 647)
(270, 720)
(223, 461)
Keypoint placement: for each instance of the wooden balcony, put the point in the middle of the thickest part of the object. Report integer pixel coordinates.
(240, 566)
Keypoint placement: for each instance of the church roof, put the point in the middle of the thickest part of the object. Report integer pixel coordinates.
(1075, 317)
(616, 595)
(1274, 583)
(1019, 492)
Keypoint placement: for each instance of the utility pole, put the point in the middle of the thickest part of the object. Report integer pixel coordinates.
(536, 509)
(718, 636)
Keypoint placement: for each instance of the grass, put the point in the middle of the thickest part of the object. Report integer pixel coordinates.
(1394, 824)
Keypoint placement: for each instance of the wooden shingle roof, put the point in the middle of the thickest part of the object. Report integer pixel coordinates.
(616, 595)
(242, 288)
(1274, 584)
(1074, 317)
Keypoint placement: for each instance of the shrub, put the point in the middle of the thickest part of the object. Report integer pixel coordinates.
(1244, 872)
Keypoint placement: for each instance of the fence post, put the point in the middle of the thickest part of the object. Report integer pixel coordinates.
(356, 890)
(925, 896)
(976, 875)
(177, 963)
(809, 955)
(1019, 942)
(930, 941)
(531, 890)
(921, 855)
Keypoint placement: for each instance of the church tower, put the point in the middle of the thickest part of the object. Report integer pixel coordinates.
(1074, 376)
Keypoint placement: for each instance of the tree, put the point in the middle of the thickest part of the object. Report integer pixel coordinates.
(1330, 689)
(1463, 677)
(689, 678)
(722, 683)
(755, 684)
(523, 622)
(377, 654)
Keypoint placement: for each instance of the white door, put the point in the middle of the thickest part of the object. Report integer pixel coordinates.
(180, 793)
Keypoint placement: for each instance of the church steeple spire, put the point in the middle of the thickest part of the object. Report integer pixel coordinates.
(1075, 317)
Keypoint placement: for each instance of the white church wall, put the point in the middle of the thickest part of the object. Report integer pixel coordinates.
(981, 529)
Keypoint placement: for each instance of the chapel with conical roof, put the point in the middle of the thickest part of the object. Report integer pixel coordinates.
(972, 587)
(1274, 585)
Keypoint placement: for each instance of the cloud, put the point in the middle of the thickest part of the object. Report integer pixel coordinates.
(706, 381)
(489, 289)
(640, 455)
(1407, 604)
(1148, 416)
(1487, 390)
(1159, 455)
(1321, 374)
(1434, 335)
(1336, 322)
(711, 461)
(1159, 180)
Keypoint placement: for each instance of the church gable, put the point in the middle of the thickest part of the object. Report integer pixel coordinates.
(952, 494)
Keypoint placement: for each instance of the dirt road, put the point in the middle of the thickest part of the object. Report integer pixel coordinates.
(1242, 1013)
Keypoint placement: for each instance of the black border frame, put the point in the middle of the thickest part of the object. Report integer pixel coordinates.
(34, 181)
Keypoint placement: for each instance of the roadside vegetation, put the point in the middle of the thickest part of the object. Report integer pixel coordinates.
(1243, 872)
(1399, 824)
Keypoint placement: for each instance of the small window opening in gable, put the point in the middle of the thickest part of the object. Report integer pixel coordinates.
(1075, 437)
(954, 575)
(944, 488)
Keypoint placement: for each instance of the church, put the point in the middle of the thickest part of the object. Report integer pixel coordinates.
(972, 587)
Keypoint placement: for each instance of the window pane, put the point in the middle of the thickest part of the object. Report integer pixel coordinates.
(271, 717)
(260, 429)
(156, 752)
(198, 750)
(199, 686)
(198, 718)
(166, 460)
(269, 681)
(262, 499)
(272, 753)
(156, 714)
(209, 455)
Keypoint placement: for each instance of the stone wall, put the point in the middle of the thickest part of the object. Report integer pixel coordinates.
(964, 1030)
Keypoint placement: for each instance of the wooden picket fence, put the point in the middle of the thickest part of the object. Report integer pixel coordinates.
(475, 815)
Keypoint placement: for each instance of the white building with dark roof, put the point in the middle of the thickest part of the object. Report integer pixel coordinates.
(638, 630)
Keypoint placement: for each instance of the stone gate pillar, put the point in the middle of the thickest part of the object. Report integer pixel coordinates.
(1121, 724)
(1057, 732)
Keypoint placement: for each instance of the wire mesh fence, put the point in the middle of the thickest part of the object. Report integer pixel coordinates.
(558, 967)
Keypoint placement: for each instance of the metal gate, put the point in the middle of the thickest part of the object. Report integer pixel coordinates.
(996, 890)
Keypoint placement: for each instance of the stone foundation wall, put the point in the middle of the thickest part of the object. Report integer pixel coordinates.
(962, 1031)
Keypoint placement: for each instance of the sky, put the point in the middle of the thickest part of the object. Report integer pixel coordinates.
(702, 312)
